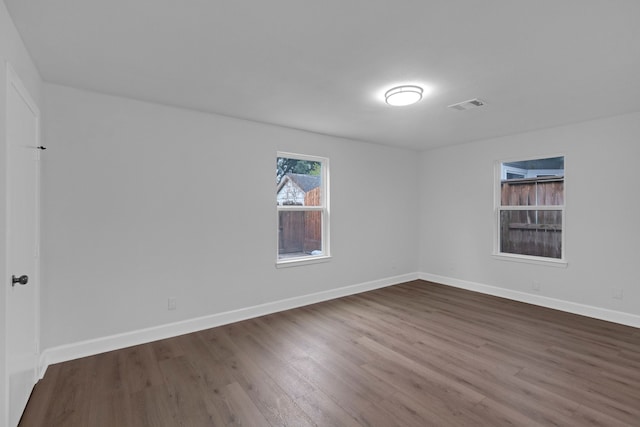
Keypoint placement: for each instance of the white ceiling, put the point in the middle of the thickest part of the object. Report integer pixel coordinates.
(324, 65)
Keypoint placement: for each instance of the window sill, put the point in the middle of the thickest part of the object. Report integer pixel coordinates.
(295, 262)
(550, 262)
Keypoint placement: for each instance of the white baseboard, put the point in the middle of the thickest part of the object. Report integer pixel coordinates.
(113, 342)
(568, 306)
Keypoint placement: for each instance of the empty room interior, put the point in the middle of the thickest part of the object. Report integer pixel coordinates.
(338, 213)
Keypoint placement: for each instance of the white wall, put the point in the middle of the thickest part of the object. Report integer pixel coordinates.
(143, 202)
(13, 51)
(602, 214)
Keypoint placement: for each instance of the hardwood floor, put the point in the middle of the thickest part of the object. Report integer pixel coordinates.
(415, 354)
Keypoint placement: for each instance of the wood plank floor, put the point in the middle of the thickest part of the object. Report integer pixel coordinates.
(415, 354)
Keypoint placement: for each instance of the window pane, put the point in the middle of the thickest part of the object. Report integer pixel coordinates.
(534, 182)
(299, 233)
(533, 168)
(543, 191)
(531, 232)
(298, 182)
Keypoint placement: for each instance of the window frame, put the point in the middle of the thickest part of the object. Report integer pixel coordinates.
(499, 208)
(323, 208)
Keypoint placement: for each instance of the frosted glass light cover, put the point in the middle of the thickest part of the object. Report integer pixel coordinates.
(403, 95)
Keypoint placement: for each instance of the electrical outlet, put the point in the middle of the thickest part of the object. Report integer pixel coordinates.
(617, 293)
(171, 304)
(535, 285)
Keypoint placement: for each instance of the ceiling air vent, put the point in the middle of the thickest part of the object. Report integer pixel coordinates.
(467, 105)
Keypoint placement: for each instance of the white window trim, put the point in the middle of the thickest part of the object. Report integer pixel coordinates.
(296, 262)
(324, 197)
(529, 259)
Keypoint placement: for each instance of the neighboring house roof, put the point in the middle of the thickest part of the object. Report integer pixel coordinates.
(305, 182)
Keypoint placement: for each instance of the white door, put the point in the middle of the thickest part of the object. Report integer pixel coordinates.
(22, 127)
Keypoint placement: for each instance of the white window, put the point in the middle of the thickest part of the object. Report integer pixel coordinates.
(530, 209)
(302, 199)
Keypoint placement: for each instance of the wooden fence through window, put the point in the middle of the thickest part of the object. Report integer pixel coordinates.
(301, 231)
(532, 232)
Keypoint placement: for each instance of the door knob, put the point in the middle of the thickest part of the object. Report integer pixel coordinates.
(23, 280)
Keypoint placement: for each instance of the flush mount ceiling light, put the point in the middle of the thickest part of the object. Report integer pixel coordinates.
(400, 96)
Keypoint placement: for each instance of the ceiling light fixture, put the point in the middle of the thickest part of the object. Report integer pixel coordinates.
(400, 96)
